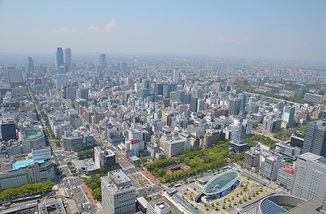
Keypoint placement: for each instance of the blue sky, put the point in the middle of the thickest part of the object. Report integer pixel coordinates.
(278, 29)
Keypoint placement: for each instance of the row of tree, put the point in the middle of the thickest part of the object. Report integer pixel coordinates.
(26, 190)
(94, 182)
(85, 154)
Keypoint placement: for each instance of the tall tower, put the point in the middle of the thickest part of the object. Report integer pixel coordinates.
(243, 104)
(68, 57)
(176, 75)
(102, 61)
(315, 138)
(58, 58)
(30, 68)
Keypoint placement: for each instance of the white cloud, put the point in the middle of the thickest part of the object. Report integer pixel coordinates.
(110, 27)
(94, 29)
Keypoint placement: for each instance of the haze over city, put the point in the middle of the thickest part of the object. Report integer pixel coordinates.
(162, 107)
(287, 30)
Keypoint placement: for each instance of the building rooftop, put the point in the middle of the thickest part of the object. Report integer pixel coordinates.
(32, 134)
(313, 158)
(119, 176)
(23, 163)
(220, 183)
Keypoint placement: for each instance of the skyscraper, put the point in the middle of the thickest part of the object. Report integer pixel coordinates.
(118, 194)
(193, 104)
(58, 58)
(310, 177)
(234, 106)
(176, 75)
(30, 68)
(315, 138)
(102, 61)
(243, 104)
(288, 116)
(68, 57)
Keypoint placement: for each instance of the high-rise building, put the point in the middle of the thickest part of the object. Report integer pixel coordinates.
(102, 61)
(8, 131)
(288, 116)
(82, 93)
(167, 88)
(315, 138)
(310, 177)
(176, 75)
(58, 58)
(124, 67)
(234, 106)
(243, 104)
(118, 194)
(30, 68)
(158, 90)
(68, 57)
(15, 75)
(271, 166)
(193, 104)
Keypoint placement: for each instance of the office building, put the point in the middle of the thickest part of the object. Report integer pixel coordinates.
(167, 89)
(102, 61)
(8, 130)
(30, 68)
(285, 176)
(243, 104)
(15, 75)
(32, 139)
(82, 93)
(124, 67)
(103, 158)
(251, 159)
(315, 138)
(158, 90)
(118, 194)
(27, 171)
(193, 104)
(68, 57)
(62, 80)
(310, 177)
(234, 106)
(167, 118)
(174, 147)
(70, 92)
(176, 75)
(77, 141)
(314, 98)
(288, 116)
(58, 58)
(271, 166)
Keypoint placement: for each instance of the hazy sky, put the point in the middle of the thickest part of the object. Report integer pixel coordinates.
(277, 29)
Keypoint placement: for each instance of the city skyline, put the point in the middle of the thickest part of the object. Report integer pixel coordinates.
(292, 30)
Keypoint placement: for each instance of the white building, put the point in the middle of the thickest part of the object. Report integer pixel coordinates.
(310, 177)
(118, 195)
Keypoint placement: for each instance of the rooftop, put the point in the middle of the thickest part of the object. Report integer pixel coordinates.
(32, 134)
(23, 163)
(220, 183)
(120, 176)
